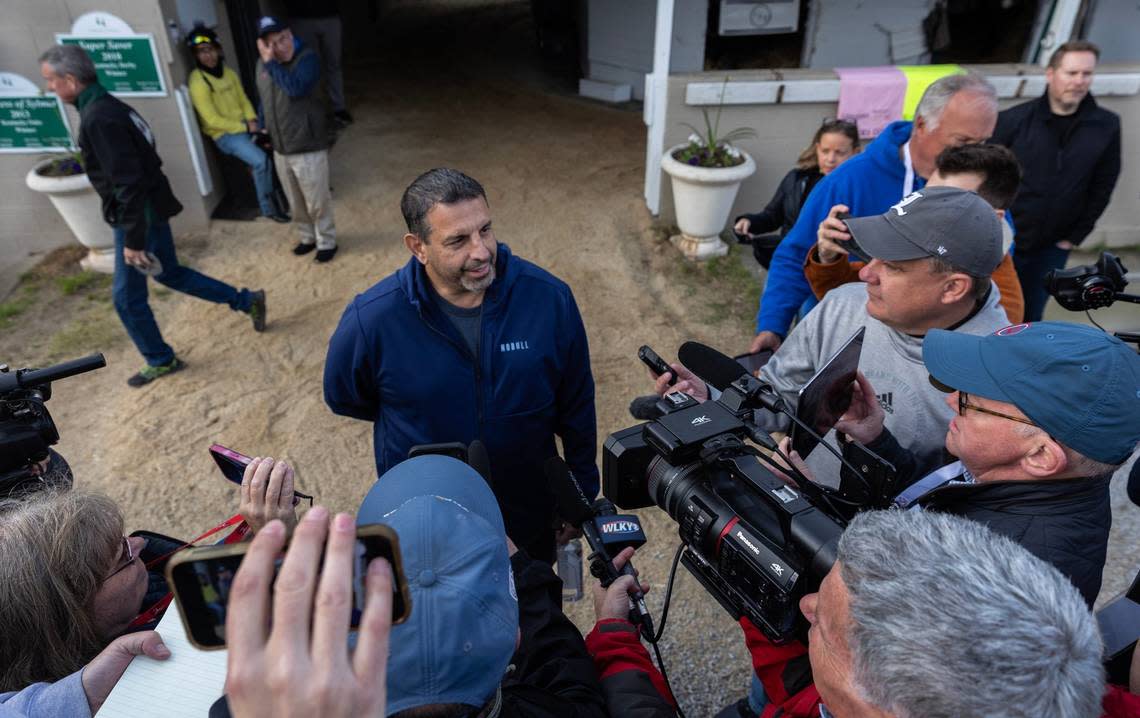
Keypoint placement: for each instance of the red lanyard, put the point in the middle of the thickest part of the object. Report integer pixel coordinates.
(239, 533)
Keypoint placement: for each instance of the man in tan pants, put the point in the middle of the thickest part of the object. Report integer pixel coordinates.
(296, 116)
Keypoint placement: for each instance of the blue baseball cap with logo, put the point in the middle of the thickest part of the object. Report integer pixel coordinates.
(269, 24)
(458, 641)
(1079, 384)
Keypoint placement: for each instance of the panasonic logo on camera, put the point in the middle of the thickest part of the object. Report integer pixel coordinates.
(740, 535)
(620, 527)
(700, 420)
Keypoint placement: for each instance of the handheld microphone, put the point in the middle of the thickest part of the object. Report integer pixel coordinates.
(577, 510)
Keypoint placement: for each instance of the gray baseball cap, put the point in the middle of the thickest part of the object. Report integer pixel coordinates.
(945, 222)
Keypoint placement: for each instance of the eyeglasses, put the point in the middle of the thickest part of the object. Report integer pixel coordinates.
(130, 552)
(964, 403)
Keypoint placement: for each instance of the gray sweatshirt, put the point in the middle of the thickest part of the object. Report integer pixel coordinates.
(916, 412)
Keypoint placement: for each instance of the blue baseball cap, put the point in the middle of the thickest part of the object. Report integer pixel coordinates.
(268, 24)
(1079, 384)
(458, 641)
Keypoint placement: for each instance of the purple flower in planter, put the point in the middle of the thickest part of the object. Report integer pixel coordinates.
(694, 161)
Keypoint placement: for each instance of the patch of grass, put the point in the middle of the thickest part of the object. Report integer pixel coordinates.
(74, 283)
(91, 332)
(27, 295)
(724, 287)
(56, 263)
(161, 292)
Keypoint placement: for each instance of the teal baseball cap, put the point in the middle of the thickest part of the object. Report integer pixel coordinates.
(458, 641)
(1079, 384)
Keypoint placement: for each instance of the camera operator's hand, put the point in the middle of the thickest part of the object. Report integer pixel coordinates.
(687, 382)
(831, 229)
(863, 420)
(742, 226)
(299, 663)
(267, 493)
(785, 447)
(105, 670)
(765, 340)
(613, 602)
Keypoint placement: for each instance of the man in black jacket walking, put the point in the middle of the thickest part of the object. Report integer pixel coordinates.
(1069, 149)
(120, 160)
(1046, 413)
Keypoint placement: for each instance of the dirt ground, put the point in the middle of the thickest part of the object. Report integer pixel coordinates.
(564, 178)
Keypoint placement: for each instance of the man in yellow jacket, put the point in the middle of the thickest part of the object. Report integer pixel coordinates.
(227, 116)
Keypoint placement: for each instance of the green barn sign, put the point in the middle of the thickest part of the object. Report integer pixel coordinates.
(126, 64)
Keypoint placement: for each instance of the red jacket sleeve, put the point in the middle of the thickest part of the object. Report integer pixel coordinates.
(632, 684)
(1119, 703)
(785, 672)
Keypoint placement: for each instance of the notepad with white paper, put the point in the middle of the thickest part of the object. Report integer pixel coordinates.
(186, 684)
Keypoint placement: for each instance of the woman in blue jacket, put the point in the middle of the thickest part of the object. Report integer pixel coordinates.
(834, 142)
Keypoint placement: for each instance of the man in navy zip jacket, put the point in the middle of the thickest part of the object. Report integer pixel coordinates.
(466, 342)
(955, 110)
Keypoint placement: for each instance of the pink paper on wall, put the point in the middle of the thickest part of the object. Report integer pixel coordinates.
(872, 97)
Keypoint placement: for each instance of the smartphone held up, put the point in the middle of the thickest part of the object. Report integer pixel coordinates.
(201, 579)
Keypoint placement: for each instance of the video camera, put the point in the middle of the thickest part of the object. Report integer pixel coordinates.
(1092, 286)
(754, 542)
(26, 427)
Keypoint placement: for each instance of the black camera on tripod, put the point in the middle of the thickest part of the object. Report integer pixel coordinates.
(26, 426)
(754, 542)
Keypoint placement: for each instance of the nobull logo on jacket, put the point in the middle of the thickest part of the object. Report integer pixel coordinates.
(513, 346)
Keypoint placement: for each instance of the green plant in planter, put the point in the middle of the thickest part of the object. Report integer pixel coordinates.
(710, 148)
(66, 165)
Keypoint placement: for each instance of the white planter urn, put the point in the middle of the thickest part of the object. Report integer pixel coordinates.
(79, 205)
(703, 197)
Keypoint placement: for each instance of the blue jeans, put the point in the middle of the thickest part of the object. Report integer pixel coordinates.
(243, 147)
(130, 293)
(1032, 266)
(757, 698)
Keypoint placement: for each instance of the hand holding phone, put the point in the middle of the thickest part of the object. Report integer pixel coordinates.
(289, 665)
(233, 465)
(267, 493)
(655, 363)
(202, 579)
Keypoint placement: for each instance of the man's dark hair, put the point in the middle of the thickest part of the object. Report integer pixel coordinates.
(999, 168)
(441, 185)
(1072, 46)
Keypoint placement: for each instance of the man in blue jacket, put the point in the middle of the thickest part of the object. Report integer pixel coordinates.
(469, 342)
(955, 110)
